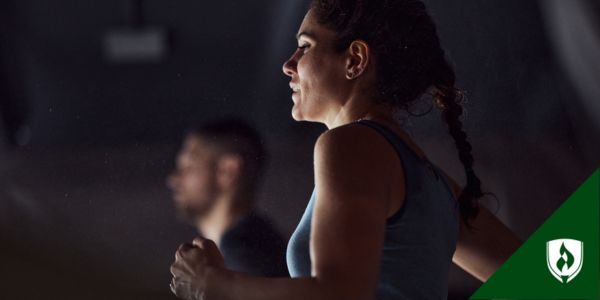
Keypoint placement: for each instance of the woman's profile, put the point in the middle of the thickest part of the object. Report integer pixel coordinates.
(383, 222)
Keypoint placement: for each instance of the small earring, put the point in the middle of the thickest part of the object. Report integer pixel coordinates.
(350, 75)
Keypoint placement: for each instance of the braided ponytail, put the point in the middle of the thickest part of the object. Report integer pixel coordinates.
(449, 99)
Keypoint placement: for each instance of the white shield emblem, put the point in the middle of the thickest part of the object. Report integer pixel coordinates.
(564, 258)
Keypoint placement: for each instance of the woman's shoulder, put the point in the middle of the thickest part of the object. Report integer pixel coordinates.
(348, 134)
(353, 143)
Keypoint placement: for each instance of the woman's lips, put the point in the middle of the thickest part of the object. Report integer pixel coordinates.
(295, 90)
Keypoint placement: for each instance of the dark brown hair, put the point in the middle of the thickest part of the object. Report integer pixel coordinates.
(235, 136)
(408, 60)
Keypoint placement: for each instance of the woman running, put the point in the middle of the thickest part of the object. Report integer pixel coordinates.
(383, 222)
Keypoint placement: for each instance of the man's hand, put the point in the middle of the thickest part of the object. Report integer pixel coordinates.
(190, 268)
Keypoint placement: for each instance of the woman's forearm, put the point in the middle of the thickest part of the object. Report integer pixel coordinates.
(482, 251)
(230, 285)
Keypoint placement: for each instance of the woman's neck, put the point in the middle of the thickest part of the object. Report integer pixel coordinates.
(354, 110)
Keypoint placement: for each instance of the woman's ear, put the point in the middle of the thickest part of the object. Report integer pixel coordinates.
(357, 60)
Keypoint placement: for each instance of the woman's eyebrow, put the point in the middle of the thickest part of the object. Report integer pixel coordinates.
(304, 33)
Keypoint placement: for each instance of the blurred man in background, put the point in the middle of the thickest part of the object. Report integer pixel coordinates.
(214, 188)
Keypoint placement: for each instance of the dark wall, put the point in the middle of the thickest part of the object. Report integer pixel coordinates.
(56, 52)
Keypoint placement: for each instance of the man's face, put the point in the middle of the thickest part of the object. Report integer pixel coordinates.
(193, 182)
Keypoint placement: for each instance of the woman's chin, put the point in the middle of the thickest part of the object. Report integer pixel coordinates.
(299, 116)
(296, 115)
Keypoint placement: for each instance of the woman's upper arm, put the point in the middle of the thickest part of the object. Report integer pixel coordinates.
(349, 217)
(482, 250)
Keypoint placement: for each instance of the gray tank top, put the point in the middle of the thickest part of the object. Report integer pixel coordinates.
(420, 238)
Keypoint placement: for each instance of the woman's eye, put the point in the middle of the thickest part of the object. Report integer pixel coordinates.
(302, 47)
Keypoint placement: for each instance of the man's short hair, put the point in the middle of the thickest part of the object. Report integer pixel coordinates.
(236, 136)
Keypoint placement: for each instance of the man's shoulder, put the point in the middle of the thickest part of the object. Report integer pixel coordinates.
(253, 245)
(253, 229)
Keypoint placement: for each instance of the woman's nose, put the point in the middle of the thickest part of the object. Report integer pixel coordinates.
(289, 67)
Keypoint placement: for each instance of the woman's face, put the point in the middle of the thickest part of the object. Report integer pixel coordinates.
(317, 73)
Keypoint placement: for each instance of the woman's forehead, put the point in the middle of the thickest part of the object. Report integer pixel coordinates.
(312, 29)
(308, 24)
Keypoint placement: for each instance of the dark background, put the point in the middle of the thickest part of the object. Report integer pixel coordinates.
(85, 143)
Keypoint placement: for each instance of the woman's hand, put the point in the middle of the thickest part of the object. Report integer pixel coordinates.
(192, 263)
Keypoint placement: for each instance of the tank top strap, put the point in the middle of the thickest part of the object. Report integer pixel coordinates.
(411, 161)
(403, 150)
